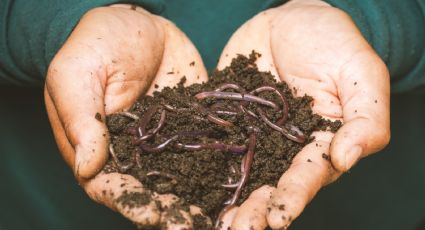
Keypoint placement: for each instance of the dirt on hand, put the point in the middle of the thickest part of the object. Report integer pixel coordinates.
(194, 141)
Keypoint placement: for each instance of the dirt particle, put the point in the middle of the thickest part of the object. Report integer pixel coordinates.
(308, 160)
(376, 101)
(133, 7)
(156, 86)
(134, 199)
(326, 156)
(192, 63)
(98, 117)
(281, 207)
(171, 72)
(355, 83)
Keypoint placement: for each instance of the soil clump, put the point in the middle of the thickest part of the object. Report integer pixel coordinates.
(192, 155)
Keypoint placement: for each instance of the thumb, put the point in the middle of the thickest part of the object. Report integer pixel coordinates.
(87, 75)
(78, 100)
(364, 96)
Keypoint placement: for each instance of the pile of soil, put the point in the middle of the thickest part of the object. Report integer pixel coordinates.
(197, 176)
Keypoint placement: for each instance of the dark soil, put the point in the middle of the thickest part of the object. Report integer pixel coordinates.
(198, 175)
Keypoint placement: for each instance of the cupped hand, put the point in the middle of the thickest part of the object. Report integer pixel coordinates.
(318, 51)
(114, 55)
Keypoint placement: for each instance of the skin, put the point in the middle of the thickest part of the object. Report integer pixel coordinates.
(114, 55)
(317, 50)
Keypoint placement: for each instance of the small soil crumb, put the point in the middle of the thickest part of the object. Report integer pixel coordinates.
(201, 222)
(197, 174)
(326, 156)
(192, 63)
(134, 199)
(98, 117)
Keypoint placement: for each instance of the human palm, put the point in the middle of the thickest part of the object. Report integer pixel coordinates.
(318, 51)
(114, 55)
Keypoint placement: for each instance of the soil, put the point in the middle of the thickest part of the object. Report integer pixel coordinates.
(197, 176)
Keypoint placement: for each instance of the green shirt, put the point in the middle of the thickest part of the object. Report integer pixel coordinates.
(32, 32)
(38, 191)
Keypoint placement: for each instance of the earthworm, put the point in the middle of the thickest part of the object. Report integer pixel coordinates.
(230, 86)
(132, 131)
(137, 153)
(174, 109)
(217, 146)
(232, 169)
(230, 186)
(211, 117)
(246, 162)
(219, 220)
(147, 116)
(219, 108)
(285, 109)
(128, 114)
(242, 104)
(121, 168)
(195, 133)
(235, 96)
(298, 137)
(149, 134)
(158, 148)
(219, 121)
(225, 112)
(161, 123)
(161, 174)
(249, 157)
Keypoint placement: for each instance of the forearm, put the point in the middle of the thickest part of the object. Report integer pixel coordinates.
(31, 32)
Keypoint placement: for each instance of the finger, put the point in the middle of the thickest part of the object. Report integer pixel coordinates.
(253, 35)
(364, 94)
(77, 83)
(58, 131)
(199, 216)
(227, 219)
(174, 213)
(310, 170)
(126, 195)
(180, 59)
(252, 213)
(345, 79)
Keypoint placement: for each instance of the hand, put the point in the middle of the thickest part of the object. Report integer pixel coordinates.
(114, 55)
(317, 50)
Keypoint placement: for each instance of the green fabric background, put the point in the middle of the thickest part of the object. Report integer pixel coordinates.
(38, 191)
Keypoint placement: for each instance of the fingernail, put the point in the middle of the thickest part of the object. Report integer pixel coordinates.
(353, 156)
